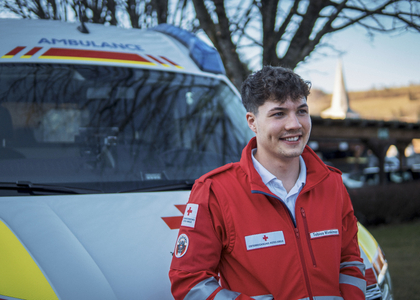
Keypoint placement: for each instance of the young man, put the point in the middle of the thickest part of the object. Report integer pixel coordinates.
(279, 224)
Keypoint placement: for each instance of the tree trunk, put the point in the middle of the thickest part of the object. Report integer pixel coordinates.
(268, 12)
(131, 10)
(220, 36)
(300, 45)
(161, 8)
(111, 9)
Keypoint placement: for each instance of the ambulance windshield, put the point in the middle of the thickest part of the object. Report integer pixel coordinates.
(115, 129)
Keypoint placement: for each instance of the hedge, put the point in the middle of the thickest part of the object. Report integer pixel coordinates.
(384, 204)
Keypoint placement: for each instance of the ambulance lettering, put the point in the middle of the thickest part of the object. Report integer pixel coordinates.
(93, 44)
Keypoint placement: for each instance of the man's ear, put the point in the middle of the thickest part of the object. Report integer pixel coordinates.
(252, 121)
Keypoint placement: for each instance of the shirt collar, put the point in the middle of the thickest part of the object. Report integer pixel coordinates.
(302, 174)
(266, 176)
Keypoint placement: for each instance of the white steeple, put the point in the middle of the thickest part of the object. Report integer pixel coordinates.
(340, 108)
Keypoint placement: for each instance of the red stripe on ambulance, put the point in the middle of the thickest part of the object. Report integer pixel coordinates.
(31, 52)
(175, 222)
(64, 53)
(13, 52)
(171, 62)
(158, 60)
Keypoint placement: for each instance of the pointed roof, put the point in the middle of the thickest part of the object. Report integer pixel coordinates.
(340, 107)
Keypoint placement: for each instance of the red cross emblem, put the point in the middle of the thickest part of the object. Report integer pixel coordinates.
(265, 237)
(175, 222)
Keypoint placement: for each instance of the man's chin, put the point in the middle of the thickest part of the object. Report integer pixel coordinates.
(292, 153)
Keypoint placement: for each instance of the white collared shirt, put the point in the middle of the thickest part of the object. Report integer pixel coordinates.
(276, 186)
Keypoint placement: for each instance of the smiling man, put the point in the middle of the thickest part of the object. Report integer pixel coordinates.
(279, 224)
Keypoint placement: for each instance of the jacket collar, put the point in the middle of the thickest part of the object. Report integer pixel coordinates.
(316, 170)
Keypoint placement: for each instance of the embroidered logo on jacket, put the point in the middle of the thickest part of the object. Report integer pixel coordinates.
(264, 240)
(323, 233)
(181, 245)
(190, 215)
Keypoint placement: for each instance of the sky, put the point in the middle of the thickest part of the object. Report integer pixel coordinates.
(384, 62)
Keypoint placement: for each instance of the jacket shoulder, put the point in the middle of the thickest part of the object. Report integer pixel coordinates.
(216, 172)
(334, 170)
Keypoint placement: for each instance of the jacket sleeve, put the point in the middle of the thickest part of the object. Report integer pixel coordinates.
(201, 241)
(352, 269)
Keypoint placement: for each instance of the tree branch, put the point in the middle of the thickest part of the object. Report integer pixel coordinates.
(296, 51)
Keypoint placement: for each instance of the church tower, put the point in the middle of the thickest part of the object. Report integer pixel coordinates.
(340, 108)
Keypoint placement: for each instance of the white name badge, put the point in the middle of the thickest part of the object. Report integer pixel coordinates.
(190, 215)
(323, 233)
(264, 240)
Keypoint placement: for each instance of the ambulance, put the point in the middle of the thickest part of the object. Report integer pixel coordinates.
(103, 131)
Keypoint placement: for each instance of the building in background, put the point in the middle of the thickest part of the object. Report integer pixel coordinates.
(340, 106)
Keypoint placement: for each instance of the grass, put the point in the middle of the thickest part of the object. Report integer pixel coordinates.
(401, 244)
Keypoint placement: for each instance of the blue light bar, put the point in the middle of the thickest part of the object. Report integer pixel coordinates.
(207, 58)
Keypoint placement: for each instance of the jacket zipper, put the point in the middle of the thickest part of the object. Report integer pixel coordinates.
(296, 230)
(308, 238)
(302, 260)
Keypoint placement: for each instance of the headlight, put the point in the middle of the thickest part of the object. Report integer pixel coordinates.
(384, 279)
(386, 286)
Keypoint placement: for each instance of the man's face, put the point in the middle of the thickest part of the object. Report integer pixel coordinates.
(282, 129)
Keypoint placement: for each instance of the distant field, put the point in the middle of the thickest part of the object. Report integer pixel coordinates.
(401, 104)
(401, 244)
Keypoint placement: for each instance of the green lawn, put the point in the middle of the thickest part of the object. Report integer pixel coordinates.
(401, 244)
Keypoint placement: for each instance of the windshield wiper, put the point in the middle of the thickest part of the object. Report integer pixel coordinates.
(29, 187)
(187, 185)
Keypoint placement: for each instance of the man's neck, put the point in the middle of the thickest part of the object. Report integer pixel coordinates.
(286, 170)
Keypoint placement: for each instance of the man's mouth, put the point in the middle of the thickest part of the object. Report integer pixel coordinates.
(291, 138)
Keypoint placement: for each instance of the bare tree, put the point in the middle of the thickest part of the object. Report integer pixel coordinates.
(287, 32)
(96, 11)
(43, 9)
(140, 13)
(144, 13)
(277, 32)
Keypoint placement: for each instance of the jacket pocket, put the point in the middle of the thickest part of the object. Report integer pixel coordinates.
(311, 236)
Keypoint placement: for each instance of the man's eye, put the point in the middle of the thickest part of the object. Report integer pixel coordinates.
(279, 114)
(303, 111)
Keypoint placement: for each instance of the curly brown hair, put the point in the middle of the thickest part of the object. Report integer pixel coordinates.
(275, 83)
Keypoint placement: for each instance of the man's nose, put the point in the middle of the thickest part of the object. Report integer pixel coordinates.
(293, 122)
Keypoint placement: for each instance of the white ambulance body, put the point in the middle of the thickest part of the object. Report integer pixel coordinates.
(102, 135)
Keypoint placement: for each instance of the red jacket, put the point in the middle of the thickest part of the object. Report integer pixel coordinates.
(238, 240)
